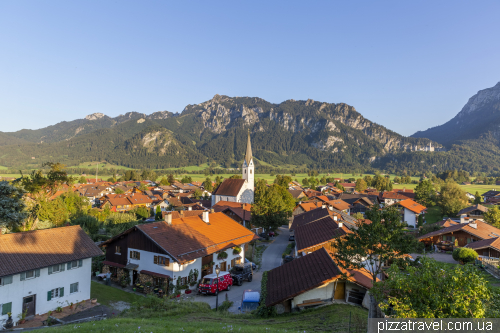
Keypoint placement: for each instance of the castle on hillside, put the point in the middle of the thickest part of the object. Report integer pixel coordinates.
(238, 190)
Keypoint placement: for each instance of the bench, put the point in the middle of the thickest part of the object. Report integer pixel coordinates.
(310, 302)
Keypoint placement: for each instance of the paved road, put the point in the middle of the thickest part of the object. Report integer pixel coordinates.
(271, 258)
(443, 257)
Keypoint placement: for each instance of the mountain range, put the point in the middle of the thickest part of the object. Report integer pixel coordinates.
(293, 133)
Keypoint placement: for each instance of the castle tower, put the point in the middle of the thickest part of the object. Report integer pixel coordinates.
(248, 167)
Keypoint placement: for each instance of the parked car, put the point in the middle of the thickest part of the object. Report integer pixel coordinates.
(291, 238)
(254, 266)
(271, 234)
(287, 259)
(241, 272)
(263, 235)
(249, 301)
(208, 284)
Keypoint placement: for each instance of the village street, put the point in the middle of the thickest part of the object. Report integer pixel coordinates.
(271, 258)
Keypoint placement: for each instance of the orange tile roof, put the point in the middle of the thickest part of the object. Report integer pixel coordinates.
(483, 230)
(190, 238)
(412, 205)
(339, 204)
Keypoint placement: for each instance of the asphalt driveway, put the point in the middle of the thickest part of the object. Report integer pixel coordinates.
(271, 258)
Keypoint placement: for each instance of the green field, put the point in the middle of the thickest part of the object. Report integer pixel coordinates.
(479, 188)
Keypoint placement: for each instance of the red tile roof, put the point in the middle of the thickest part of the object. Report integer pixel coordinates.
(24, 251)
(446, 223)
(412, 205)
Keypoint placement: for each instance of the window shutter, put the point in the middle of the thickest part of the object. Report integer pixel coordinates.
(37, 273)
(49, 295)
(69, 265)
(167, 261)
(61, 292)
(452, 238)
(130, 254)
(50, 270)
(7, 307)
(62, 267)
(156, 260)
(80, 263)
(23, 276)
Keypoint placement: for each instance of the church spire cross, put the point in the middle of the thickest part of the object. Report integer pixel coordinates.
(248, 155)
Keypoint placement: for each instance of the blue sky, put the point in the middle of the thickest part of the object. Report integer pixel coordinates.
(407, 65)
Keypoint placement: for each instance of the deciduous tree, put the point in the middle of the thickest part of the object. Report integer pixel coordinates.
(432, 290)
(12, 207)
(273, 206)
(492, 216)
(425, 193)
(361, 185)
(452, 198)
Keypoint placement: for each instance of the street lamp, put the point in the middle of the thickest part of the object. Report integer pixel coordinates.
(217, 271)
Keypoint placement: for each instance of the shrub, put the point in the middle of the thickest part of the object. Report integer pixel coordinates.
(464, 254)
(225, 306)
(264, 311)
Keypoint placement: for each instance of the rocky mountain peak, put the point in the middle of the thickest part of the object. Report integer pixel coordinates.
(482, 98)
(95, 116)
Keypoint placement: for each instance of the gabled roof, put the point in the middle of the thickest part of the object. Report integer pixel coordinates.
(296, 193)
(339, 204)
(24, 251)
(230, 187)
(473, 208)
(243, 214)
(493, 243)
(394, 195)
(318, 232)
(190, 238)
(305, 273)
(491, 193)
(483, 230)
(308, 217)
(412, 205)
(222, 205)
(446, 223)
(183, 213)
(300, 275)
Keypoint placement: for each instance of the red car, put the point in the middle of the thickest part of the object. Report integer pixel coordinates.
(208, 284)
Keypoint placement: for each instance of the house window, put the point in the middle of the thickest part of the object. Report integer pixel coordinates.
(75, 264)
(55, 293)
(56, 269)
(161, 261)
(5, 280)
(73, 288)
(6, 308)
(30, 274)
(158, 282)
(135, 255)
(118, 250)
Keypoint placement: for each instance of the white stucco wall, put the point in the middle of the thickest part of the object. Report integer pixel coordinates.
(174, 270)
(410, 217)
(324, 292)
(39, 286)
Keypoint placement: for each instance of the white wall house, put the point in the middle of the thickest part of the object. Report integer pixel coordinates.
(170, 249)
(44, 269)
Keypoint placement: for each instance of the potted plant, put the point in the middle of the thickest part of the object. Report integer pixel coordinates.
(9, 323)
(94, 300)
(222, 255)
(22, 316)
(71, 306)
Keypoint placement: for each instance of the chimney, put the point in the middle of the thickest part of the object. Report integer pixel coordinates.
(473, 224)
(181, 213)
(205, 217)
(323, 205)
(462, 218)
(331, 207)
(340, 224)
(335, 217)
(190, 208)
(168, 218)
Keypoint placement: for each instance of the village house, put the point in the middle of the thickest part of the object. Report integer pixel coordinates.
(315, 280)
(390, 198)
(489, 195)
(43, 269)
(411, 211)
(171, 249)
(238, 190)
(486, 248)
(475, 211)
(468, 231)
(297, 194)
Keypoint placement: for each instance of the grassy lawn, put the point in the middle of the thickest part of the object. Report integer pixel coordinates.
(479, 188)
(106, 294)
(333, 318)
(433, 214)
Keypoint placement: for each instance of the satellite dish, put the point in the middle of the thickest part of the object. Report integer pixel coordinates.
(280, 308)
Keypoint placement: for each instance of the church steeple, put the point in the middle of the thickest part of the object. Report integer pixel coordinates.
(248, 155)
(248, 167)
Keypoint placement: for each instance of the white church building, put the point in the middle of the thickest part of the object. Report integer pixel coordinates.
(238, 190)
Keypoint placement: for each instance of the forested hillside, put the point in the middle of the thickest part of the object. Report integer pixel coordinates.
(293, 133)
